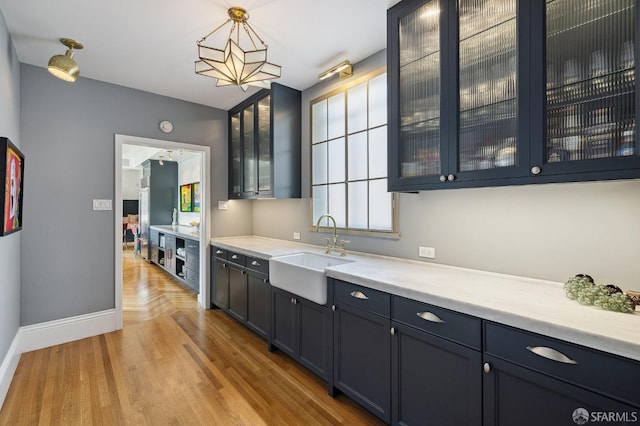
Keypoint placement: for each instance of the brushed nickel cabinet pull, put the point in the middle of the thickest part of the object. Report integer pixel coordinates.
(487, 367)
(393, 331)
(359, 295)
(235, 256)
(219, 252)
(255, 263)
(551, 354)
(429, 316)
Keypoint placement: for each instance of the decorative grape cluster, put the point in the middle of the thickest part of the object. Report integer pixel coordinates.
(583, 289)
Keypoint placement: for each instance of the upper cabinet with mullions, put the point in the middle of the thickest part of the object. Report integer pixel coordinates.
(502, 92)
(264, 145)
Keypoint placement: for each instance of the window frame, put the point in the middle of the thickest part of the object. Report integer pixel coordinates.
(344, 88)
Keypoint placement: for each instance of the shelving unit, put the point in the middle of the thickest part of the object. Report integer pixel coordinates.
(177, 255)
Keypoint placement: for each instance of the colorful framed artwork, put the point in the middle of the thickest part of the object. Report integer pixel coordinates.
(185, 198)
(12, 181)
(196, 196)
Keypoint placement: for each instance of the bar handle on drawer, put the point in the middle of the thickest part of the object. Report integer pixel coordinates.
(235, 256)
(255, 263)
(359, 295)
(551, 353)
(429, 316)
(219, 252)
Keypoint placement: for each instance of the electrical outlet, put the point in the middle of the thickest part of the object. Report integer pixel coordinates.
(223, 205)
(296, 235)
(428, 252)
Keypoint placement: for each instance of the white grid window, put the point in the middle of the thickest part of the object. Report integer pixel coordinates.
(349, 157)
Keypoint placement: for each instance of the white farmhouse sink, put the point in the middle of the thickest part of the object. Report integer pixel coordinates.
(303, 274)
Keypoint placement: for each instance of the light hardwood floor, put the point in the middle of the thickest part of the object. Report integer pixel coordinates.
(172, 364)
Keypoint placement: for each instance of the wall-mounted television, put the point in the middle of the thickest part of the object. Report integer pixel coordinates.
(12, 182)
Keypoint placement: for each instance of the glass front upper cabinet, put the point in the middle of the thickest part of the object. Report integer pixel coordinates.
(590, 93)
(502, 92)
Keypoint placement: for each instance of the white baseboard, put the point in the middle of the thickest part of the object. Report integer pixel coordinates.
(45, 334)
(9, 365)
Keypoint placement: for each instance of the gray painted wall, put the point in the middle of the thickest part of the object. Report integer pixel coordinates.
(547, 231)
(68, 138)
(10, 244)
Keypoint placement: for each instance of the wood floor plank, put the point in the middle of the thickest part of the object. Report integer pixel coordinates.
(172, 364)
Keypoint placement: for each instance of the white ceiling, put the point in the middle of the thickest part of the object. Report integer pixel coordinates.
(150, 45)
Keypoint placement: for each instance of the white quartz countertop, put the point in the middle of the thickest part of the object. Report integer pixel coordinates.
(530, 304)
(180, 230)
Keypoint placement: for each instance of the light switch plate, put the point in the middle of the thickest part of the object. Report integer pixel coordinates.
(102, 204)
(223, 205)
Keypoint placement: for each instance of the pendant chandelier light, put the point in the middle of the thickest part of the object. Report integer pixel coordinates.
(241, 62)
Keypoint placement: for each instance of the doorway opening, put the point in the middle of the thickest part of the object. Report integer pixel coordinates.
(159, 150)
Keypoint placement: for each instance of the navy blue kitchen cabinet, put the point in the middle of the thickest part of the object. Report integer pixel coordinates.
(237, 287)
(264, 145)
(362, 346)
(219, 279)
(509, 92)
(436, 365)
(240, 286)
(302, 329)
(258, 295)
(532, 380)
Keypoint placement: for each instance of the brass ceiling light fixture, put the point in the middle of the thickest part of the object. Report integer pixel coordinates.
(63, 66)
(241, 62)
(344, 68)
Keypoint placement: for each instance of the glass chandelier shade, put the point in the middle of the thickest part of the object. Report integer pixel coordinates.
(242, 62)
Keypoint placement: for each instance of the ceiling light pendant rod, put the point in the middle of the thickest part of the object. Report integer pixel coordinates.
(246, 24)
(217, 28)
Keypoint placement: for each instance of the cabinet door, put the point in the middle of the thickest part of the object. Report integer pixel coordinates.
(314, 336)
(492, 120)
(237, 293)
(587, 88)
(170, 253)
(258, 302)
(434, 381)
(220, 284)
(362, 358)
(153, 245)
(249, 166)
(415, 58)
(283, 332)
(235, 155)
(264, 146)
(515, 395)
